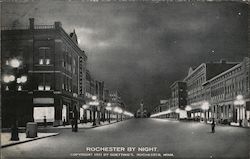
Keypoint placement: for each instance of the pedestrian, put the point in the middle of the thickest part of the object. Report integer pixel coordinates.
(44, 121)
(64, 121)
(72, 124)
(213, 126)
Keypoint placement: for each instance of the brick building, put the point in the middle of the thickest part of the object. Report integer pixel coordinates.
(56, 73)
(223, 90)
(195, 79)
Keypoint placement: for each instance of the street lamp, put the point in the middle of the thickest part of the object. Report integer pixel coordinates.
(108, 108)
(15, 64)
(95, 104)
(85, 107)
(188, 109)
(240, 102)
(177, 111)
(118, 111)
(205, 107)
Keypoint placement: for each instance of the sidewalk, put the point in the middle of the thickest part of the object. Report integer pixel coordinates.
(84, 125)
(5, 138)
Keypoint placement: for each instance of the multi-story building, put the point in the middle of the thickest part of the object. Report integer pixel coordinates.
(179, 99)
(115, 97)
(228, 94)
(195, 79)
(163, 109)
(55, 67)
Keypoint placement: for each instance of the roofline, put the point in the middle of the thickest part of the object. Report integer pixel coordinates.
(221, 74)
(202, 64)
(176, 82)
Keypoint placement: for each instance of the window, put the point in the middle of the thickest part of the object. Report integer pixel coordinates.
(47, 61)
(44, 56)
(40, 88)
(44, 82)
(19, 88)
(47, 88)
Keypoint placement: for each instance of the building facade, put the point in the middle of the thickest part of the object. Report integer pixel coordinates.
(55, 67)
(228, 95)
(195, 79)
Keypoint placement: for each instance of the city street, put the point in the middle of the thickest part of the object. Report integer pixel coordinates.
(177, 139)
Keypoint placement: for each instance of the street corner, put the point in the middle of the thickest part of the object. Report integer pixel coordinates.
(5, 138)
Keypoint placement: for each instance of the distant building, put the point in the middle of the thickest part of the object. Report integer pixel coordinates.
(164, 106)
(115, 97)
(56, 74)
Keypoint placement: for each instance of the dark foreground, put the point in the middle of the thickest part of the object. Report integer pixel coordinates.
(170, 139)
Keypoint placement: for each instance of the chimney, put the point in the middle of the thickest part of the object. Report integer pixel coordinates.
(58, 25)
(32, 23)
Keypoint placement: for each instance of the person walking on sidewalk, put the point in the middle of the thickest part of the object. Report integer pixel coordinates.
(44, 121)
(213, 126)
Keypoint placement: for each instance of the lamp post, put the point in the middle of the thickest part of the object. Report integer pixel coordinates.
(205, 107)
(94, 105)
(109, 108)
(188, 109)
(85, 107)
(118, 111)
(240, 102)
(177, 111)
(16, 81)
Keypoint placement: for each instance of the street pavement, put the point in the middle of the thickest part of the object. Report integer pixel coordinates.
(172, 139)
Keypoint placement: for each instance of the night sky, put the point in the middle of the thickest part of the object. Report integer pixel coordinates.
(141, 48)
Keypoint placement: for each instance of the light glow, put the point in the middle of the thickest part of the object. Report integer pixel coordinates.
(12, 78)
(239, 97)
(40, 112)
(15, 63)
(205, 106)
(118, 110)
(161, 113)
(177, 110)
(94, 97)
(188, 108)
(108, 108)
(6, 79)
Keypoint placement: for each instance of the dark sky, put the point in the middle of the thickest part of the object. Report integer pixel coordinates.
(142, 48)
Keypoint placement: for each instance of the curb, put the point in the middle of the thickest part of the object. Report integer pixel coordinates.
(33, 139)
(80, 128)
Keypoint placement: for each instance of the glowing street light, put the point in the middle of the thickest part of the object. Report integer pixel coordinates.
(240, 102)
(188, 108)
(205, 107)
(85, 106)
(94, 97)
(6, 78)
(177, 110)
(15, 63)
(108, 108)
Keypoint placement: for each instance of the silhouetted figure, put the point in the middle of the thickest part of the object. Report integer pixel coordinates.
(44, 121)
(213, 126)
(240, 122)
(64, 121)
(72, 124)
(14, 132)
(75, 120)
